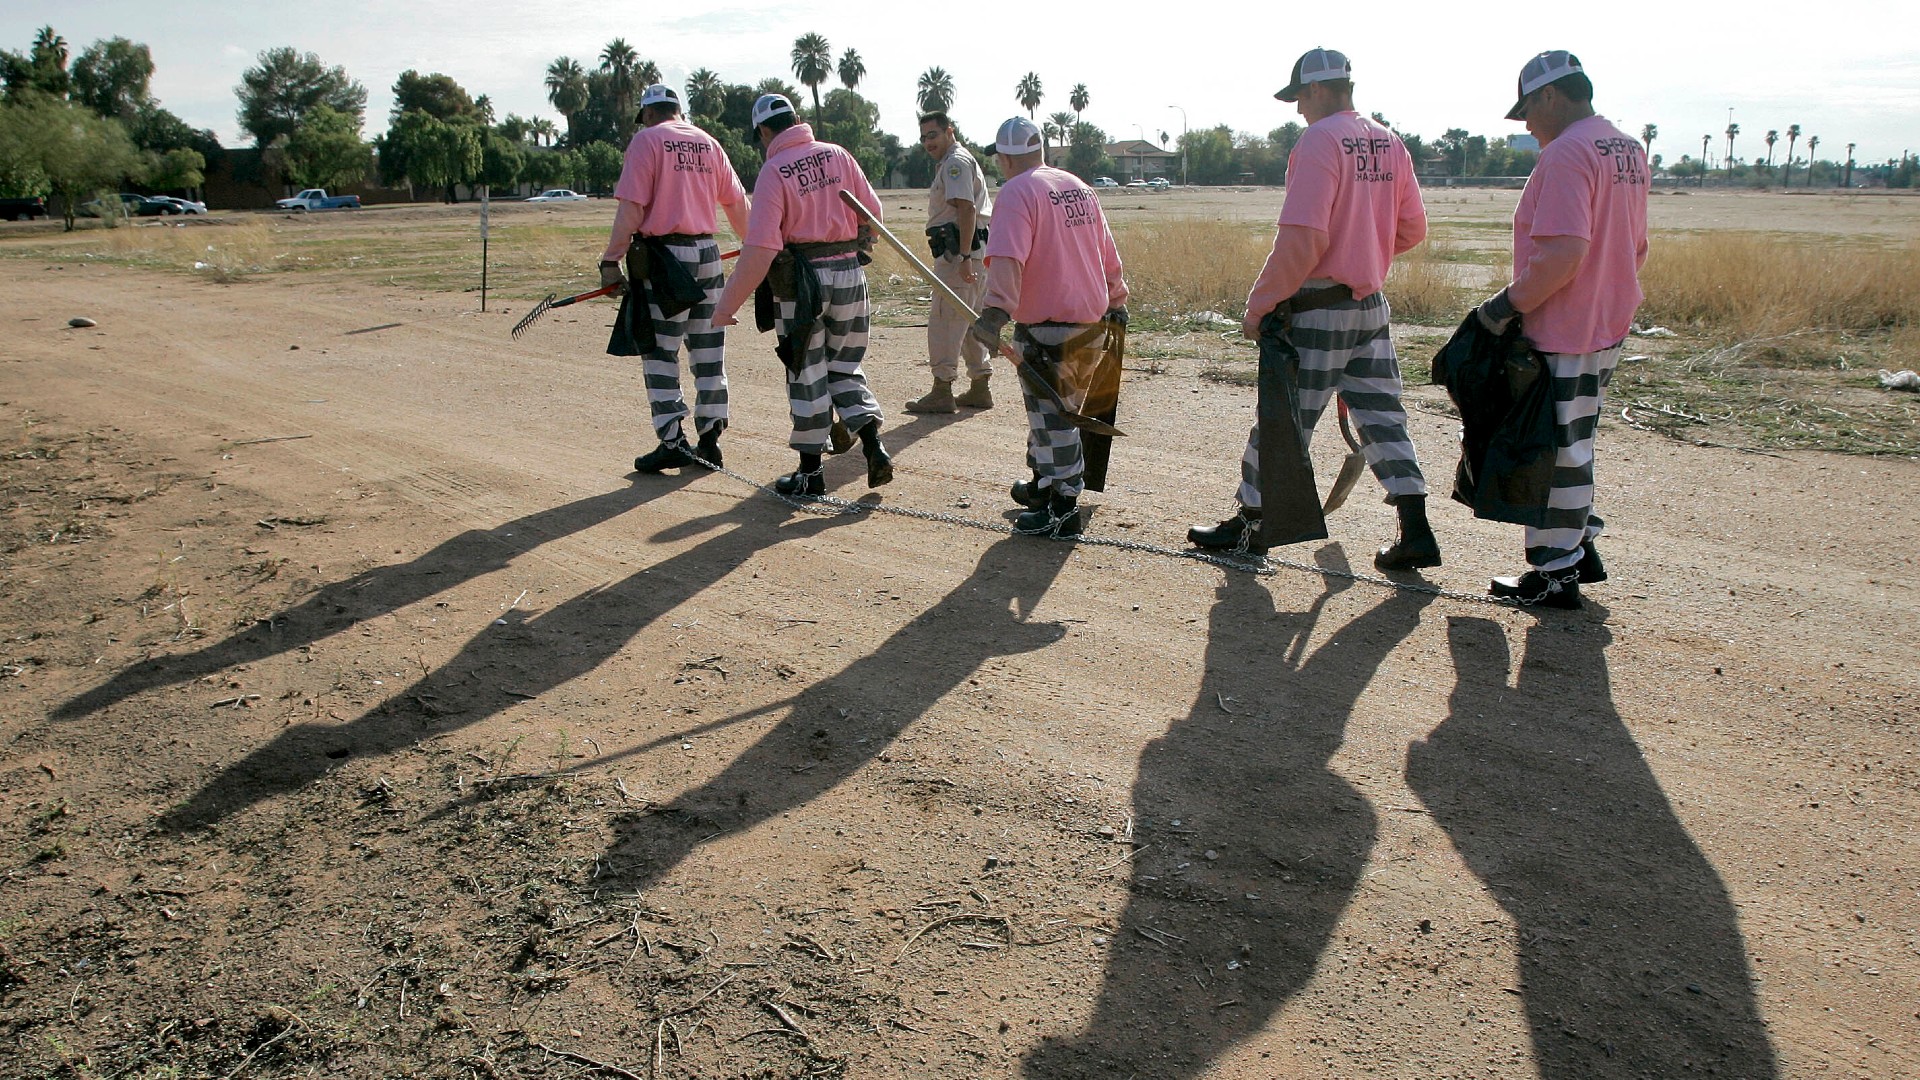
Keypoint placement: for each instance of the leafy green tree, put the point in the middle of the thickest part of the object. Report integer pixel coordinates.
(1028, 92)
(180, 169)
(502, 162)
(601, 162)
(65, 150)
(567, 89)
(1087, 152)
(934, 90)
(852, 69)
(326, 150)
(277, 94)
(1210, 156)
(437, 95)
(48, 60)
(812, 63)
(111, 77)
(423, 151)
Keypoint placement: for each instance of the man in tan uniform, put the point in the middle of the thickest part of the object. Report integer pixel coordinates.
(958, 206)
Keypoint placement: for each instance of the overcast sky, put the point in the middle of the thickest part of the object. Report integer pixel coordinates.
(1850, 73)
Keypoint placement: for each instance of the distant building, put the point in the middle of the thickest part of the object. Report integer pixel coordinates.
(1138, 159)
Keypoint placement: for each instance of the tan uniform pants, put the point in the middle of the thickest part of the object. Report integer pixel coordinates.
(947, 339)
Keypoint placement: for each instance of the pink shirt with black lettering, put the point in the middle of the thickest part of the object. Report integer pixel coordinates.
(796, 199)
(1052, 224)
(1590, 182)
(677, 174)
(1352, 179)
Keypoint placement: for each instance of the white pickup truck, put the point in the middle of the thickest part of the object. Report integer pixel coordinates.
(317, 199)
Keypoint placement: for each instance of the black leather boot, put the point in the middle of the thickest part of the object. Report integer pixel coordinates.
(806, 480)
(1029, 493)
(665, 456)
(1416, 546)
(1592, 570)
(879, 462)
(1239, 533)
(709, 448)
(1541, 588)
(1058, 519)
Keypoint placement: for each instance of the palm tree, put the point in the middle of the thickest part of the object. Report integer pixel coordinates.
(1733, 131)
(646, 74)
(812, 63)
(1770, 138)
(1793, 136)
(935, 90)
(1062, 122)
(706, 93)
(542, 128)
(852, 69)
(621, 63)
(1813, 145)
(1027, 92)
(1647, 135)
(1051, 133)
(1078, 98)
(567, 88)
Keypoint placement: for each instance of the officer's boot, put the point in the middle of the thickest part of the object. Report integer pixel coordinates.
(938, 400)
(977, 395)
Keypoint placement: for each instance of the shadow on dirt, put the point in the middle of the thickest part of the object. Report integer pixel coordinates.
(380, 591)
(1251, 847)
(502, 665)
(1631, 957)
(837, 725)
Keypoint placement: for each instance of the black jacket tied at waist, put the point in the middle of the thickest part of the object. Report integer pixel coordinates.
(791, 278)
(655, 279)
(1504, 392)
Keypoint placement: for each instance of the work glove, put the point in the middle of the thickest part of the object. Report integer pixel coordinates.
(986, 329)
(610, 276)
(1497, 313)
(1117, 315)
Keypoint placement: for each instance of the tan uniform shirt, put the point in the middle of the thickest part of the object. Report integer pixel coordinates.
(958, 176)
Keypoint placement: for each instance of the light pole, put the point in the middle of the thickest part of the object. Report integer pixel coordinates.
(1183, 144)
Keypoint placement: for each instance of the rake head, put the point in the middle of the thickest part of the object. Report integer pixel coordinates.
(533, 316)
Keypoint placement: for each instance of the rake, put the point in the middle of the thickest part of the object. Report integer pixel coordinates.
(540, 309)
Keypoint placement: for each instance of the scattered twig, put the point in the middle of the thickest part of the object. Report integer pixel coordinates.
(965, 916)
(297, 1025)
(787, 1019)
(703, 997)
(1123, 858)
(234, 702)
(808, 940)
(583, 1059)
(275, 438)
(1217, 696)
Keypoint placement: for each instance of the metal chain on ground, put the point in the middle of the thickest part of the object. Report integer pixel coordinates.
(1265, 566)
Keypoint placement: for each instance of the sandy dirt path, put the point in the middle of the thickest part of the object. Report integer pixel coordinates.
(523, 757)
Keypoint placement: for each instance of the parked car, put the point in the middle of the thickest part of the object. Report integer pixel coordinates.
(1105, 182)
(23, 209)
(317, 199)
(558, 194)
(1141, 184)
(130, 206)
(187, 206)
(1159, 183)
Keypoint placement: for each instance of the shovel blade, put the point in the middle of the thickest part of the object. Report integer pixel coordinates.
(1350, 471)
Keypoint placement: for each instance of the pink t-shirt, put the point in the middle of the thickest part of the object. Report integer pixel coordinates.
(796, 199)
(1352, 179)
(1590, 182)
(1051, 223)
(677, 174)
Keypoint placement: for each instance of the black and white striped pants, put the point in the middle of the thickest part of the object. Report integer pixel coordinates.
(830, 379)
(706, 352)
(1579, 386)
(1347, 349)
(1053, 443)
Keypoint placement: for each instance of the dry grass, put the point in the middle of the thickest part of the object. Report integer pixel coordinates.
(1752, 285)
(1185, 266)
(224, 253)
(1425, 285)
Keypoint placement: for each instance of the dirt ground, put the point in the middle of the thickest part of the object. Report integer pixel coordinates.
(362, 715)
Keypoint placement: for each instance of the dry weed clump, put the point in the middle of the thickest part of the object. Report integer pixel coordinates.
(1192, 265)
(224, 252)
(1424, 285)
(1754, 284)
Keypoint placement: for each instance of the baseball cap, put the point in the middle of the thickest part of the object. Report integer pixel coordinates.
(1550, 66)
(768, 106)
(1017, 136)
(1315, 65)
(659, 94)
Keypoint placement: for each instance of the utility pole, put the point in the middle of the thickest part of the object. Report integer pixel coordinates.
(1183, 144)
